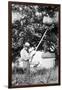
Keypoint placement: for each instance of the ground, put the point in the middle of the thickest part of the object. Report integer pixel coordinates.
(39, 77)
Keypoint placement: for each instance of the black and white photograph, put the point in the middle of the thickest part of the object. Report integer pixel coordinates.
(34, 44)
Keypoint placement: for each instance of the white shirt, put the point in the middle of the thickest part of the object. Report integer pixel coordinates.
(24, 54)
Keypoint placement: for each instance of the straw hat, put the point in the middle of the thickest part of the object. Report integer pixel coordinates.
(27, 44)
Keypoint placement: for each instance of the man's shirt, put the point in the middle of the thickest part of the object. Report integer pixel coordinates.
(24, 54)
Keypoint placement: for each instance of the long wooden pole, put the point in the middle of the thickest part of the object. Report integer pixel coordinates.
(39, 43)
(41, 39)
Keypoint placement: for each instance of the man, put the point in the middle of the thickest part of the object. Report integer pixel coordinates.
(25, 59)
(25, 55)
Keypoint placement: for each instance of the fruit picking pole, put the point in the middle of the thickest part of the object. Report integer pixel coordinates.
(41, 39)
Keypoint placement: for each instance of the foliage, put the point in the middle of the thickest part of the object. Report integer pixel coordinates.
(27, 25)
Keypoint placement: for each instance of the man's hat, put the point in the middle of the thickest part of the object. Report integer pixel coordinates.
(27, 44)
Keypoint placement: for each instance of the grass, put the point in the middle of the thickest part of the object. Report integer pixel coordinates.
(40, 77)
